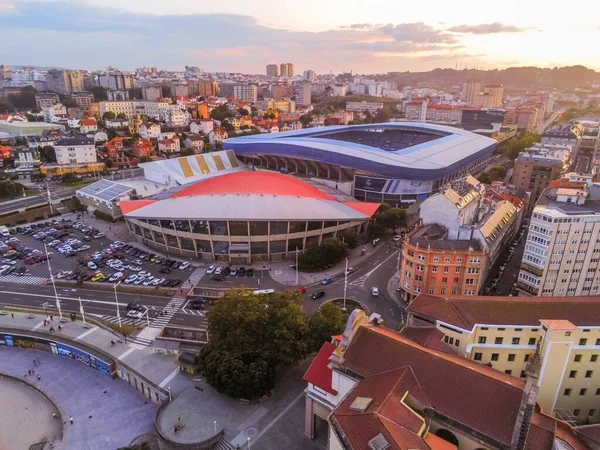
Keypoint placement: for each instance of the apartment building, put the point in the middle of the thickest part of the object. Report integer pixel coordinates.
(132, 108)
(570, 134)
(533, 173)
(179, 89)
(43, 99)
(303, 93)
(83, 100)
(64, 81)
(208, 88)
(150, 130)
(279, 91)
(416, 110)
(272, 71)
(377, 389)
(246, 92)
(559, 337)
(562, 251)
(75, 151)
(470, 90)
(363, 106)
(173, 116)
(434, 264)
(203, 126)
(152, 93)
(496, 91)
(286, 69)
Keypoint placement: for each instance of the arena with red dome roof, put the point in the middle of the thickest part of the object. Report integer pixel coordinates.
(244, 216)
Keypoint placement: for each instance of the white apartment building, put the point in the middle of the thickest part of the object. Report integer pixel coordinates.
(133, 107)
(50, 112)
(372, 107)
(150, 131)
(203, 126)
(173, 116)
(246, 92)
(562, 251)
(75, 151)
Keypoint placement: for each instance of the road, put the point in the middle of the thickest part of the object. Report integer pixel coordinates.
(546, 123)
(58, 193)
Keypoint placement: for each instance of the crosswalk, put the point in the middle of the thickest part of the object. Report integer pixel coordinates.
(170, 309)
(359, 281)
(196, 276)
(25, 279)
(128, 321)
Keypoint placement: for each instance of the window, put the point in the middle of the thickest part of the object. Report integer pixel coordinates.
(511, 356)
(434, 269)
(444, 279)
(572, 374)
(457, 343)
(494, 356)
(567, 392)
(589, 373)
(451, 340)
(446, 269)
(577, 358)
(477, 357)
(567, 333)
(531, 341)
(582, 341)
(592, 412)
(457, 270)
(576, 412)
(526, 357)
(522, 374)
(436, 258)
(598, 391)
(498, 340)
(446, 338)
(515, 341)
(482, 340)
(593, 358)
(597, 341)
(582, 391)
(508, 372)
(447, 259)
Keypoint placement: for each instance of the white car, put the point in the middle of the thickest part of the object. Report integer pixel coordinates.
(211, 270)
(92, 265)
(10, 262)
(396, 238)
(143, 273)
(3, 269)
(134, 268)
(148, 281)
(375, 292)
(349, 271)
(219, 271)
(134, 314)
(131, 279)
(157, 281)
(184, 265)
(115, 276)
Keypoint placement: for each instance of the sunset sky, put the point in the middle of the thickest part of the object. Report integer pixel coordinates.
(363, 36)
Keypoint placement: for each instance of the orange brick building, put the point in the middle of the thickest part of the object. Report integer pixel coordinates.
(432, 264)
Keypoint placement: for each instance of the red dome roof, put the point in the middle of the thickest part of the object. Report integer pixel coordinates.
(251, 182)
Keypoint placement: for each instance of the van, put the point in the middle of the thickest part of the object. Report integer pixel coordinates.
(4, 231)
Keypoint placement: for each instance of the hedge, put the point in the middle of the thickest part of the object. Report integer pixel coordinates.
(31, 208)
(12, 213)
(103, 216)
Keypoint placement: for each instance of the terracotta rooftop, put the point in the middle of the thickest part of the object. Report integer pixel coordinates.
(429, 337)
(465, 312)
(476, 396)
(565, 183)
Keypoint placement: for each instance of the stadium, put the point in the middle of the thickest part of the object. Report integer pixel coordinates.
(396, 163)
(239, 216)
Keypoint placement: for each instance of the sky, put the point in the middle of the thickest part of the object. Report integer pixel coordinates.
(362, 36)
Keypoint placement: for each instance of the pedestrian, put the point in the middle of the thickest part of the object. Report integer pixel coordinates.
(38, 361)
(39, 377)
(44, 322)
(60, 328)
(71, 420)
(54, 416)
(12, 315)
(34, 362)
(29, 372)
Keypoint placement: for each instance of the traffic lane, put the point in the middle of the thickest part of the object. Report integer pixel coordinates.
(22, 203)
(260, 280)
(182, 319)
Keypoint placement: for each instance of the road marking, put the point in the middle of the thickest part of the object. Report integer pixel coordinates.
(164, 382)
(84, 334)
(381, 264)
(124, 354)
(38, 325)
(45, 296)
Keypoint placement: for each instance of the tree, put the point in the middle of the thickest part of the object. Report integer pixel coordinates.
(109, 115)
(122, 116)
(68, 102)
(100, 93)
(69, 177)
(329, 253)
(9, 189)
(305, 120)
(25, 99)
(328, 321)
(388, 218)
(349, 237)
(235, 376)
(135, 93)
(6, 106)
(47, 153)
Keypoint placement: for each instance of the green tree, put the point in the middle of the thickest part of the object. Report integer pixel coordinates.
(109, 115)
(305, 120)
(328, 321)
(122, 116)
(100, 93)
(68, 102)
(349, 237)
(135, 93)
(10, 189)
(25, 99)
(329, 253)
(6, 106)
(47, 153)
(388, 218)
(69, 177)
(238, 377)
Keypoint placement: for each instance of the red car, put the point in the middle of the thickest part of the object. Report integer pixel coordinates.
(302, 289)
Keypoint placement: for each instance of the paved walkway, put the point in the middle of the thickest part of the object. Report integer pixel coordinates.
(107, 412)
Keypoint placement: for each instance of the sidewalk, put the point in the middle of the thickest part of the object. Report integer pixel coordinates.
(283, 273)
(160, 369)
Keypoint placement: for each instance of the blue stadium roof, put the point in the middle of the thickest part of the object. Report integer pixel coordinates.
(414, 151)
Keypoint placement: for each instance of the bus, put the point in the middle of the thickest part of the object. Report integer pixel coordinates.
(264, 291)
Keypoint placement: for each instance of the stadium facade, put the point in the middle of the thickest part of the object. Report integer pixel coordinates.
(397, 163)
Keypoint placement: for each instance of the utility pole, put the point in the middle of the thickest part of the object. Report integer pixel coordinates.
(117, 303)
(53, 284)
(345, 284)
(296, 265)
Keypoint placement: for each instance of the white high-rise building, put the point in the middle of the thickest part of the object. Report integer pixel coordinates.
(562, 252)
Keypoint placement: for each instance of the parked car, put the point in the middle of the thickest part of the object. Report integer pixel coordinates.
(211, 270)
(92, 265)
(99, 236)
(241, 272)
(226, 271)
(250, 272)
(219, 271)
(98, 277)
(318, 294)
(198, 303)
(184, 265)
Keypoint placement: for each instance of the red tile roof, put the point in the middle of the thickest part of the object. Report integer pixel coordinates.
(565, 183)
(250, 182)
(429, 337)
(87, 122)
(319, 373)
(465, 312)
(368, 209)
(476, 396)
(131, 205)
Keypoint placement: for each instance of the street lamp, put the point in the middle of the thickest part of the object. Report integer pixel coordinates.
(215, 424)
(24, 194)
(345, 284)
(169, 390)
(52, 280)
(248, 442)
(117, 303)
(296, 265)
(82, 314)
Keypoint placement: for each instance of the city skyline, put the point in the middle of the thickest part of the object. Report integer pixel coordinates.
(237, 37)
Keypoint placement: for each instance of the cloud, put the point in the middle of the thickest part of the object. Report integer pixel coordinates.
(418, 32)
(75, 34)
(487, 28)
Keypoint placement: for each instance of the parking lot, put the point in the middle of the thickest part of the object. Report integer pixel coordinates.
(255, 277)
(80, 252)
